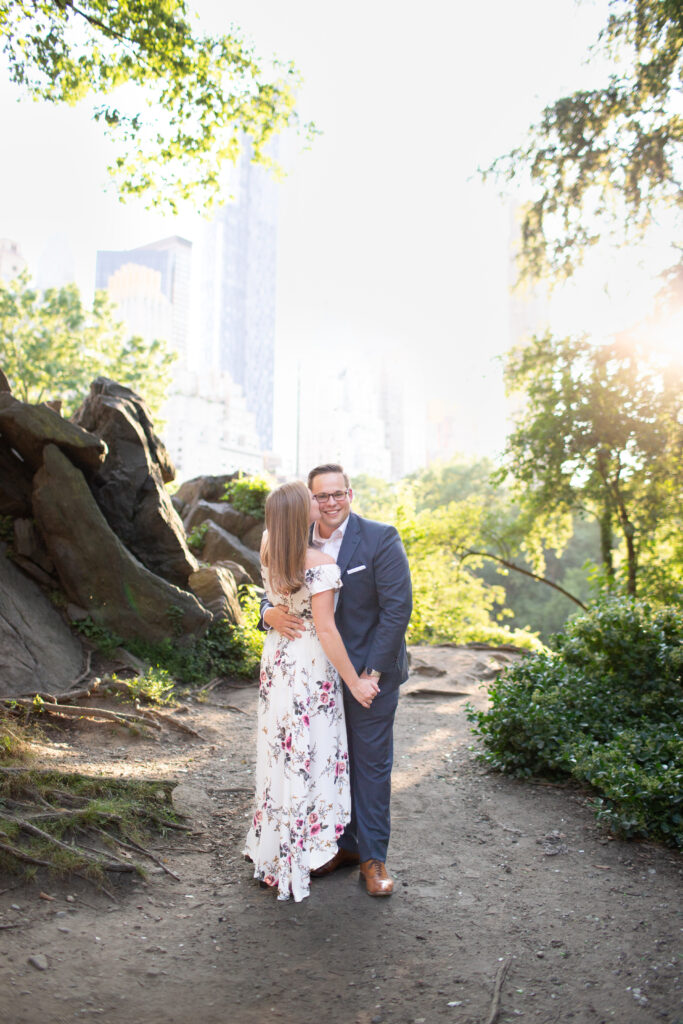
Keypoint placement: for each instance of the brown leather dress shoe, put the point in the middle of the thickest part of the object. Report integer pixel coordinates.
(377, 881)
(341, 859)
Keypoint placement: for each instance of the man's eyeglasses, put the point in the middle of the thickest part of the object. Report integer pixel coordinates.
(338, 496)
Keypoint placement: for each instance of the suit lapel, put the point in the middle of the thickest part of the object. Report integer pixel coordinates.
(349, 543)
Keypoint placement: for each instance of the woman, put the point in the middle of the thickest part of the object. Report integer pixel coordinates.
(302, 801)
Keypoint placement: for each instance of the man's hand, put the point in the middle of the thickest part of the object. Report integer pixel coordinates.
(366, 690)
(282, 621)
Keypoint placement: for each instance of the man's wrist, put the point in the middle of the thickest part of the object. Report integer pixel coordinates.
(373, 673)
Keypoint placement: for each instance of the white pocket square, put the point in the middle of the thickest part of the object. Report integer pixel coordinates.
(356, 568)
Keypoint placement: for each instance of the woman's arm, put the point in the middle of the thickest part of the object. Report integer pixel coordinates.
(322, 604)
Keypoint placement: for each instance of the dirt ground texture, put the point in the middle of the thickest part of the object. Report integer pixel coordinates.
(496, 881)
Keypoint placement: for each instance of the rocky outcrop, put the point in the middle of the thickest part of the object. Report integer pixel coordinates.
(29, 428)
(39, 651)
(219, 546)
(201, 488)
(129, 486)
(217, 590)
(227, 517)
(96, 570)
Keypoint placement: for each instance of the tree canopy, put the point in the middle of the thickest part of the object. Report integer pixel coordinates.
(178, 103)
(602, 161)
(52, 346)
(601, 432)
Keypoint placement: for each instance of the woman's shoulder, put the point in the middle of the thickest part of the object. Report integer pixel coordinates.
(315, 557)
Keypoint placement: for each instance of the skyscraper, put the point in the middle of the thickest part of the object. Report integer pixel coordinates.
(151, 286)
(238, 291)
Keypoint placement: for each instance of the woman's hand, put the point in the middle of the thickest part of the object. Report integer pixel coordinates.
(365, 689)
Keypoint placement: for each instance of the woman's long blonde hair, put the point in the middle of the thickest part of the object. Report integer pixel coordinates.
(288, 514)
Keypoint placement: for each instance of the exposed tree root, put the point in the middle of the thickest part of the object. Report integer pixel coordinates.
(56, 813)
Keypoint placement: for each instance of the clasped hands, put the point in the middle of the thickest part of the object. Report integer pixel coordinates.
(279, 618)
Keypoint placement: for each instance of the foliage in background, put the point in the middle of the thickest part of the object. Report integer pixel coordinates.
(605, 707)
(248, 495)
(176, 103)
(601, 433)
(52, 346)
(603, 161)
(451, 602)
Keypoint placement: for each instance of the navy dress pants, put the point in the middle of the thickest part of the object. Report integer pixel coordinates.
(371, 755)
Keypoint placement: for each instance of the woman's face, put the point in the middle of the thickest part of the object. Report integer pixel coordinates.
(315, 509)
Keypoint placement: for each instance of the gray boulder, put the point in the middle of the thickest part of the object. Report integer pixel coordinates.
(28, 428)
(95, 569)
(216, 589)
(201, 488)
(223, 514)
(39, 652)
(129, 487)
(220, 545)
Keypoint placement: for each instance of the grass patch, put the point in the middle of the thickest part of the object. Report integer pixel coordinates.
(74, 823)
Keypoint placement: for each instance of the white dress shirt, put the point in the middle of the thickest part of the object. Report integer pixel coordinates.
(330, 545)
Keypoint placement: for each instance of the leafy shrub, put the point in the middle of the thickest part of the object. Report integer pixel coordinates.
(248, 495)
(155, 686)
(224, 650)
(195, 538)
(604, 707)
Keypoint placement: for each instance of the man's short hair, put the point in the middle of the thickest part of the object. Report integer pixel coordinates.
(328, 467)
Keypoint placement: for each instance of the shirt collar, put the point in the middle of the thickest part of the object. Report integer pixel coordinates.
(339, 532)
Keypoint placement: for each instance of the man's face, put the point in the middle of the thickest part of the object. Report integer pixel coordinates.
(334, 510)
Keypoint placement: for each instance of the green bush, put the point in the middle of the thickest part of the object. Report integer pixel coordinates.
(248, 495)
(224, 650)
(604, 706)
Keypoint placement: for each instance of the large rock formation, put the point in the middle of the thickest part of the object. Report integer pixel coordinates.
(28, 428)
(95, 569)
(39, 652)
(129, 486)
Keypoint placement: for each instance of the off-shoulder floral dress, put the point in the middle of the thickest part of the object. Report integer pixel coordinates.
(303, 799)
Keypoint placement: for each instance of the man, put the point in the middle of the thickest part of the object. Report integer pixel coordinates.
(372, 616)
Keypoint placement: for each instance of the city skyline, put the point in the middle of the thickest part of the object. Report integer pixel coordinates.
(388, 241)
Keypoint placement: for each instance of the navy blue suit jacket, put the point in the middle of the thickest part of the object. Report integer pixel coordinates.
(375, 602)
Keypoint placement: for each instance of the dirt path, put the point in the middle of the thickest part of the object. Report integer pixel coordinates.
(490, 872)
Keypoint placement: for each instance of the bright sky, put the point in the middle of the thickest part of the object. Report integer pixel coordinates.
(387, 239)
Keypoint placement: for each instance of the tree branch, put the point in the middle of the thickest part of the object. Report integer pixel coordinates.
(525, 572)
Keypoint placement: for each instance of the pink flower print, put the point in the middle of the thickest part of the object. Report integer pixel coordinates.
(324, 698)
(288, 742)
(299, 822)
(315, 829)
(340, 768)
(270, 880)
(327, 685)
(338, 829)
(306, 720)
(331, 704)
(312, 817)
(257, 818)
(300, 843)
(307, 764)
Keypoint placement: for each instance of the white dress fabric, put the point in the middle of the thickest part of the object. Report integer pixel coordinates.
(303, 798)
